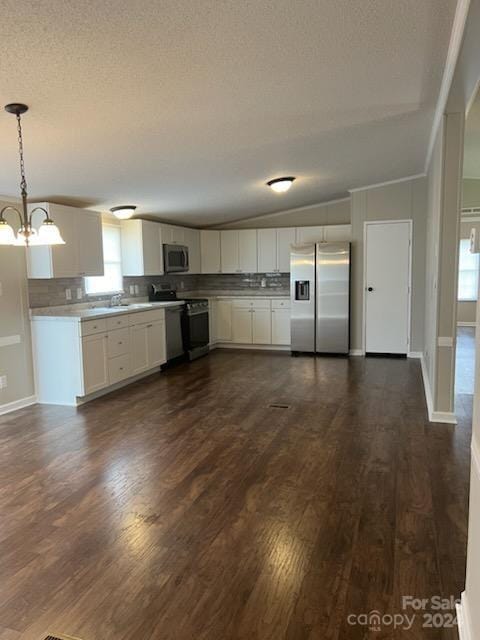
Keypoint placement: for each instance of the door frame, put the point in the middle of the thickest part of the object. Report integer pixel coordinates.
(364, 279)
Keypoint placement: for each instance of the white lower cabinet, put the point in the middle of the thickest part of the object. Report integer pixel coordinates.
(95, 362)
(250, 321)
(148, 342)
(242, 325)
(119, 368)
(74, 359)
(139, 355)
(223, 321)
(281, 326)
(261, 326)
(156, 344)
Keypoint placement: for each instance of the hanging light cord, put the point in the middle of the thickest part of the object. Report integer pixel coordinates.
(23, 181)
(26, 220)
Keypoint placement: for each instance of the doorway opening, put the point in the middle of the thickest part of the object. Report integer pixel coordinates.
(468, 265)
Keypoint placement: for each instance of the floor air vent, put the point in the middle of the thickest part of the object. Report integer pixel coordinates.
(57, 637)
(279, 406)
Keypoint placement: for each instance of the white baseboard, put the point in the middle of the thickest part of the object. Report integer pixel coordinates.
(415, 354)
(465, 324)
(356, 352)
(17, 404)
(463, 618)
(257, 347)
(446, 417)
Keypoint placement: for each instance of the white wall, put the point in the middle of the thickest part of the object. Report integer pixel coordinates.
(466, 80)
(336, 212)
(15, 358)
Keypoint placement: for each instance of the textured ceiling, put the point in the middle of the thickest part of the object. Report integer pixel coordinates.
(471, 162)
(186, 107)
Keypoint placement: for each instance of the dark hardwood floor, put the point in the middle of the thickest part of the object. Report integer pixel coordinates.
(185, 507)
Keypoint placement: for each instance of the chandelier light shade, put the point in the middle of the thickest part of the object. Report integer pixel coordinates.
(124, 211)
(27, 236)
(280, 185)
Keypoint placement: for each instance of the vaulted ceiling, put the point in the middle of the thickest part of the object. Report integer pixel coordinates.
(187, 107)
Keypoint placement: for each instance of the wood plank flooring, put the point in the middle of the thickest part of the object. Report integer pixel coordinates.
(185, 507)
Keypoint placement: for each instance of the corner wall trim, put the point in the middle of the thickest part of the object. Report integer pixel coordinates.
(445, 417)
(356, 352)
(456, 38)
(415, 354)
(463, 619)
(475, 457)
(388, 182)
(17, 404)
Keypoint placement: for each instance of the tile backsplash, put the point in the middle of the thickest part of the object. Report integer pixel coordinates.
(52, 292)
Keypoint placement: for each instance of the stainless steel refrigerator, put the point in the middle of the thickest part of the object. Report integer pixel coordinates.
(320, 297)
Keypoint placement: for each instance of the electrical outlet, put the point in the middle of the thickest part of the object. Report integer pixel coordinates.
(132, 289)
(68, 294)
(3, 382)
(79, 293)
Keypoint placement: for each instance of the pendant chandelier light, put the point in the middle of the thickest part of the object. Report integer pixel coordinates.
(48, 233)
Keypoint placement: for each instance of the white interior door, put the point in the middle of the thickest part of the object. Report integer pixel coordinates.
(387, 287)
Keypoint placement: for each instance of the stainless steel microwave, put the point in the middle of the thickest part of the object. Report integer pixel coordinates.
(175, 258)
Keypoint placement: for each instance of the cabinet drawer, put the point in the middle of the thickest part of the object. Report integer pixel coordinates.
(90, 327)
(117, 322)
(249, 303)
(145, 317)
(118, 368)
(118, 342)
(281, 304)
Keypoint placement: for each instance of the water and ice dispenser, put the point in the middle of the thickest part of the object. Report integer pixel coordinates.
(302, 289)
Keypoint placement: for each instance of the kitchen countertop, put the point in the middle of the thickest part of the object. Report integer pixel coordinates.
(83, 312)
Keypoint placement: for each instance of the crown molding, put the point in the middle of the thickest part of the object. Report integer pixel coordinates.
(456, 38)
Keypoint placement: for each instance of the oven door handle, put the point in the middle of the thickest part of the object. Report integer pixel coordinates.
(190, 314)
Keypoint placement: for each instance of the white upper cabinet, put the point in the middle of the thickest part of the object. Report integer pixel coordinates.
(239, 251)
(310, 234)
(247, 251)
(274, 249)
(141, 248)
(337, 232)
(172, 234)
(210, 251)
(285, 238)
(82, 253)
(267, 250)
(229, 251)
(192, 241)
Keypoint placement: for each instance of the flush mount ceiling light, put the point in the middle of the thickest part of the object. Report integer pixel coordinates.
(48, 233)
(123, 212)
(280, 185)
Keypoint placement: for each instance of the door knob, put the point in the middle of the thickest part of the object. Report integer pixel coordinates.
(370, 289)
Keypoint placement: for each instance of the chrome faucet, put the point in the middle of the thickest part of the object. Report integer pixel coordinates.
(116, 300)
